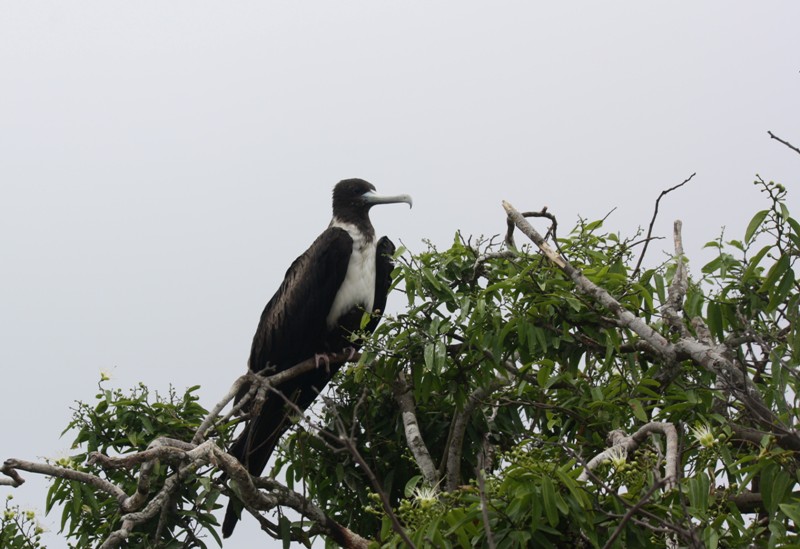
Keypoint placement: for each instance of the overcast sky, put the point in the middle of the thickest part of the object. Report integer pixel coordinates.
(162, 163)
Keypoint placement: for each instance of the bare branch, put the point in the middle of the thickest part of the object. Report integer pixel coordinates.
(405, 398)
(260, 383)
(213, 414)
(776, 138)
(628, 444)
(14, 479)
(629, 514)
(653, 221)
(677, 290)
(63, 472)
(460, 420)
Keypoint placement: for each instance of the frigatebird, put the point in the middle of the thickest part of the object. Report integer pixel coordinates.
(317, 307)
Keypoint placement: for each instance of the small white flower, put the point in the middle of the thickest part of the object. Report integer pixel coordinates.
(704, 435)
(618, 456)
(425, 496)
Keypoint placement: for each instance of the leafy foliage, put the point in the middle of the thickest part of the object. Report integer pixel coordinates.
(566, 374)
(120, 424)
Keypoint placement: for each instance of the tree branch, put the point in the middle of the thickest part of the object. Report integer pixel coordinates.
(62, 472)
(345, 441)
(460, 420)
(677, 289)
(776, 138)
(628, 444)
(653, 221)
(405, 399)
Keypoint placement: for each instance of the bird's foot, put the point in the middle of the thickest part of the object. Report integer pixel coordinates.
(323, 357)
(351, 351)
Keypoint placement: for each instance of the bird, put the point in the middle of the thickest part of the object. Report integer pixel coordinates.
(317, 307)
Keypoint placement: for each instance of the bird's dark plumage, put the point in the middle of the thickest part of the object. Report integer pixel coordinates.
(317, 306)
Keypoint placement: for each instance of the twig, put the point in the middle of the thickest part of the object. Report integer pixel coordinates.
(668, 526)
(341, 535)
(653, 221)
(776, 138)
(349, 444)
(638, 505)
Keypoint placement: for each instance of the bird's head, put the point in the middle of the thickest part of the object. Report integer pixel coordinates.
(353, 198)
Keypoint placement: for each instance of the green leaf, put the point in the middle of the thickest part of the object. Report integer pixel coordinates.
(791, 510)
(775, 273)
(428, 355)
(638, 410)
(549, 501)
(411, 484)
(714, 320)
(754, 224)
(782, 290)
(752, 264)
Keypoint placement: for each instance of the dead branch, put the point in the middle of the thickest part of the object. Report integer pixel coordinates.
(186, 458)
(14, 479)
(509, 239)
(261, 383)
(653, 221)
(776, 138)
(289, 498)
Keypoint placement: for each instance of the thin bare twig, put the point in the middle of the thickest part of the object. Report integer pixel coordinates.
(629, 515)
(653, 221)
(776, 138)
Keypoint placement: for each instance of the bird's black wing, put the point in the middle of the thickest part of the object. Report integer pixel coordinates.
(293, 322)
(384, 265)
(292, 329)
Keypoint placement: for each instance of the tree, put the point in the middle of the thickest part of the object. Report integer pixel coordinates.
(557, 394)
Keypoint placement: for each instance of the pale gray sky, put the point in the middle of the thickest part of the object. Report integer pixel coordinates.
(162, 163)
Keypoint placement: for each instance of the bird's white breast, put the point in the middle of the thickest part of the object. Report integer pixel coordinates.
(358, 287)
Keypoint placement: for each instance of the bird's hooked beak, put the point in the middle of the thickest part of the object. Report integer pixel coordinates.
(373, 198)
